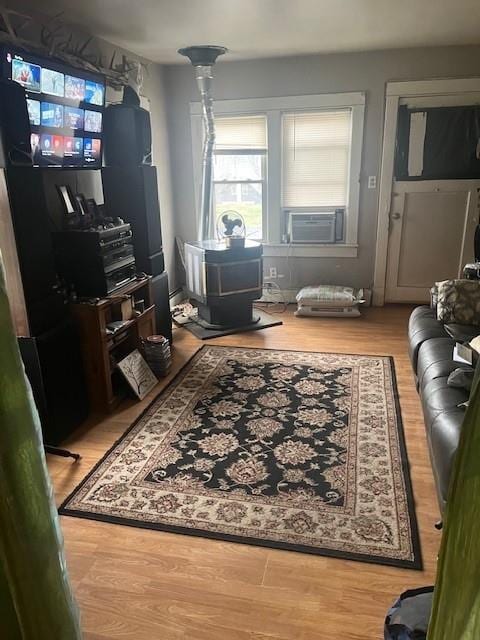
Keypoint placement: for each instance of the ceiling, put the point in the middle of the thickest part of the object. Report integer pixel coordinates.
(155, 29)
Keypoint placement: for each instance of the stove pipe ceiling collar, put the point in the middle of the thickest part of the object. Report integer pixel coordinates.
(203, 58)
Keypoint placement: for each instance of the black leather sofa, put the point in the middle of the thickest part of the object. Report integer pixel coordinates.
(431, 353)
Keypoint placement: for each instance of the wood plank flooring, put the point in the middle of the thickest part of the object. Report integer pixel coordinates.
(135, 584)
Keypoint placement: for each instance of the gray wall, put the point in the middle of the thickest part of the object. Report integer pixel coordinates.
(367, 71)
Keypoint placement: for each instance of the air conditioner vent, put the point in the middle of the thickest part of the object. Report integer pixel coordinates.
(312, 227)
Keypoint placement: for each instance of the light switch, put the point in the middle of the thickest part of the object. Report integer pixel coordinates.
(372, 182)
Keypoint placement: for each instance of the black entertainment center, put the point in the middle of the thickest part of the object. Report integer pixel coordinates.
(53, 124)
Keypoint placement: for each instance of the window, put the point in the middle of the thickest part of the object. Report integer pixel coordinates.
(316, 158)
(279, 154)
(239, 170)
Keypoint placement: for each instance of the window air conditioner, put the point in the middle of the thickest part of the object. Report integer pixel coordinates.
(319, 227)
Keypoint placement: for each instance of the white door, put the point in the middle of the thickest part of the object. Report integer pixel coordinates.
(425, 228)
(432, 226)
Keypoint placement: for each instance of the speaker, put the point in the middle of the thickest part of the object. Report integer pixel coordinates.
(54, 367)
(127, 136)
(14, 125)
(131, 193)
(45, 305)
(163, 318)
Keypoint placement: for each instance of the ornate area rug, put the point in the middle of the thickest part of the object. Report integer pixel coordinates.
(292, 450)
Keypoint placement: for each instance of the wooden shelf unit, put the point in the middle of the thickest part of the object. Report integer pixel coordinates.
(101, 351)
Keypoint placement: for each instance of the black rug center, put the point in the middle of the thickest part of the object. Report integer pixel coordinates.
(267, 429)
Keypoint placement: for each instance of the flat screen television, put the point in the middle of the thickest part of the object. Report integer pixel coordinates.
(65, 108)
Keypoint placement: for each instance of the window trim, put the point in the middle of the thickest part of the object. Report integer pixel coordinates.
(273, 108)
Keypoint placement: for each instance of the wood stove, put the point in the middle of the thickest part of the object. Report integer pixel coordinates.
(224, 282)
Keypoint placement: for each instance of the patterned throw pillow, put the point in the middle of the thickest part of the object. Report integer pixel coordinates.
(459, 301)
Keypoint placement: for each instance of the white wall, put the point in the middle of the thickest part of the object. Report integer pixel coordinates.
(367, 71)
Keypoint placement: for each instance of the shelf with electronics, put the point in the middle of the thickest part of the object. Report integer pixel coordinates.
(69, 258)
(111, 328)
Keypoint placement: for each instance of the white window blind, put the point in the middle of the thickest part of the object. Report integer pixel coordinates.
(316, 158)
(249, 133)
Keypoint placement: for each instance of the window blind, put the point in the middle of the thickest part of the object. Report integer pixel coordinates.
(242, 132)
(316, 158)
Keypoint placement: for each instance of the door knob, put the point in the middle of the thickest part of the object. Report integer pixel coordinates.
(396, 216)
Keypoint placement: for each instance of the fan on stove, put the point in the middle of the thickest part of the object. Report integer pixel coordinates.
(231, 228)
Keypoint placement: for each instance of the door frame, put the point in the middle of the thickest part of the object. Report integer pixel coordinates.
(395, 92)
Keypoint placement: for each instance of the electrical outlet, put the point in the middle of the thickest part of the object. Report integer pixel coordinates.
(273, 272)
(372, 182)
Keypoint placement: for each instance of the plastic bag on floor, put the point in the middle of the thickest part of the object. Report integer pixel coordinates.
(408, 618)
(329, 300)
(326, 295)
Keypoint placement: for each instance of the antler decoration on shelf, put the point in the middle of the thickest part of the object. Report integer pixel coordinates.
(52, 37)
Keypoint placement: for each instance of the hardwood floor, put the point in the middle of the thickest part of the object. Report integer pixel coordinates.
(137, 584)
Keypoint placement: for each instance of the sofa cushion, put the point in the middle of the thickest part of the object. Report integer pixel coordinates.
(423, 325)
(438, 397)
(435, 360)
